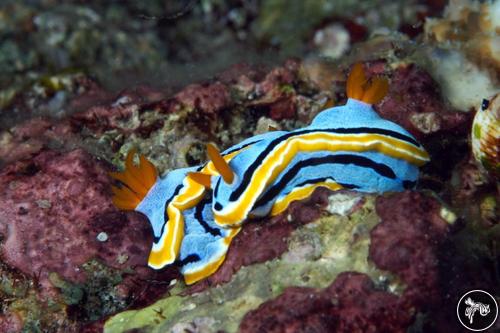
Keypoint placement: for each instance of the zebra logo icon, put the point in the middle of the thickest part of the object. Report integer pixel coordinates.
(477, 310)
(473, 307)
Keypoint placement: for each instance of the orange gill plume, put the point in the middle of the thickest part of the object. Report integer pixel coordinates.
(369, 91)
(136, 182)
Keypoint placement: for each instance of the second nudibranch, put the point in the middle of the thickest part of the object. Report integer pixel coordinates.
(348, 146)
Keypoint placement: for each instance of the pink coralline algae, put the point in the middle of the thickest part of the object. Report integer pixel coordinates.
(350, 304)
(272, 94)
(414, 102)
(141, 111)
(53, 208)
(10, 323)
(406, 243)
(207, 99)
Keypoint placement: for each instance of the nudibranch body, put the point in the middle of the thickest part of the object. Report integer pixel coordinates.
(196, 212)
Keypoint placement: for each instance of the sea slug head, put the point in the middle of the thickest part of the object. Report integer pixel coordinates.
(143, 191)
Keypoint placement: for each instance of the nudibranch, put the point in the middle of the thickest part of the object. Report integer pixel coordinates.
(195, 212)
(348, 146)
(179, 211)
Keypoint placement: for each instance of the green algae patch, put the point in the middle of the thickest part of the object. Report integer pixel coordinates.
(320, 251)
(144, 319)
(219, 308)
(317, 253)
(71, 293)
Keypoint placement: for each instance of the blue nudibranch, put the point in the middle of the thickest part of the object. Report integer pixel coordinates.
(195, 212)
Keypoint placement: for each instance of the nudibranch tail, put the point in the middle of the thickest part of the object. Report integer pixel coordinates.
(136, 182)
(167, 249)
(220, 164)
(196, 271)
(369, 91)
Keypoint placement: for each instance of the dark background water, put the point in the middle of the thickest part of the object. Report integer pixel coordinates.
(168, 44)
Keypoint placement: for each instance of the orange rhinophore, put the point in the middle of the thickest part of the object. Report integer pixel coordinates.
(136, 182)
(220, 164)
